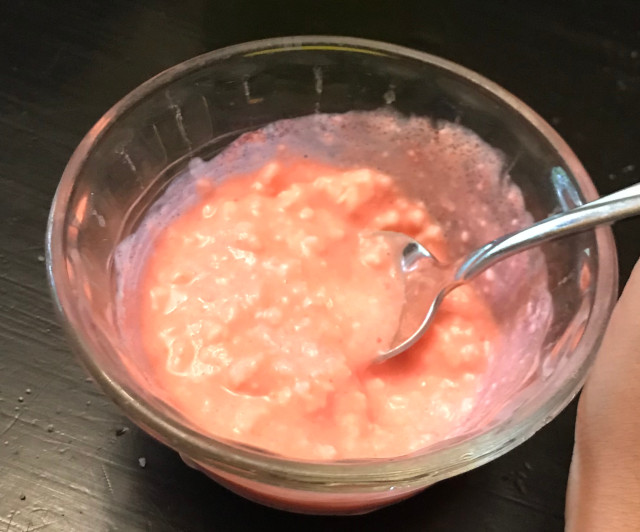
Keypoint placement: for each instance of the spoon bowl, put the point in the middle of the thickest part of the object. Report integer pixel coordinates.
(427, 280)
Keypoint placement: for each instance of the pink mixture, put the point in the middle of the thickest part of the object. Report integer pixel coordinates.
(262, 302)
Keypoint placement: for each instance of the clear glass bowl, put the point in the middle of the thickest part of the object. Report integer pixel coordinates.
(198, 107)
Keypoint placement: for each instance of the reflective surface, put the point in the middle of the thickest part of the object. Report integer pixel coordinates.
(67, 63)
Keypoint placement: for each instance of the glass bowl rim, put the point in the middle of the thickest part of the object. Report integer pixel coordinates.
(450, 458)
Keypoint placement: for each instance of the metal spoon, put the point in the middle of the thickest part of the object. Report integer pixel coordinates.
(445, 277)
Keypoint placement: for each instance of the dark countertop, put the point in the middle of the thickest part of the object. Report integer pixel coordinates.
(67, 460)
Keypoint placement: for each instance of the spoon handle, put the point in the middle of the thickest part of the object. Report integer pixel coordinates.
(621, 204)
